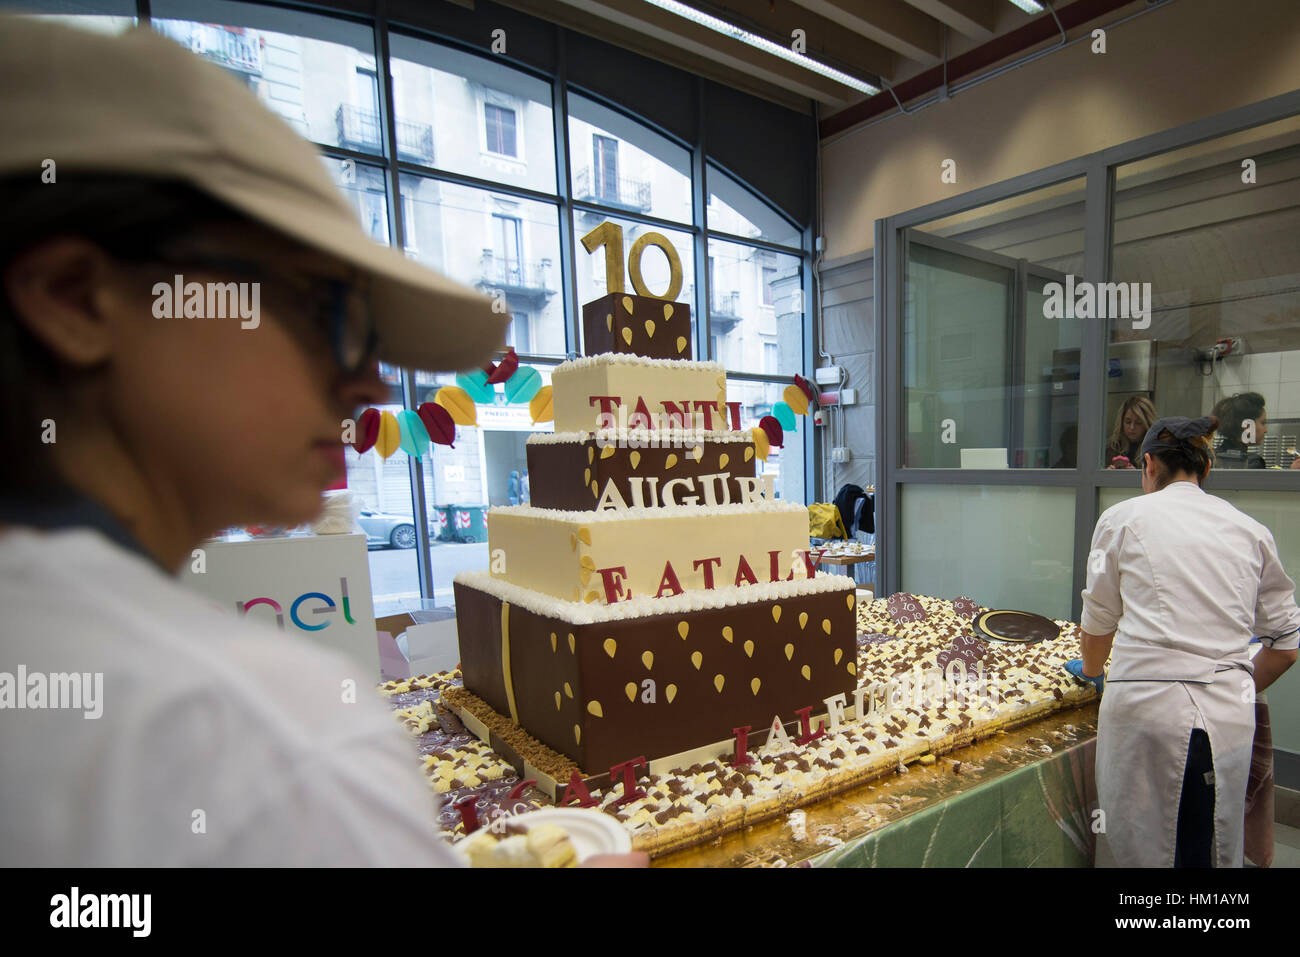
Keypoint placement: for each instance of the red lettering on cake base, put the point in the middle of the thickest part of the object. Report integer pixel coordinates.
(612, 579)
(669, 581)
(707, 408)
(468, 814)
(577, 789)
(607, 404)
(741, 757)
(708, 564)
(806, 735)
(678, 416)
(734, 409)
(630, 791)
(640, 412)
(774, 565)
(745, 573)
(517, 792)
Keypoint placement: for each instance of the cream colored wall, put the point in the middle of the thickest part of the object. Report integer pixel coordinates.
(1176, 64)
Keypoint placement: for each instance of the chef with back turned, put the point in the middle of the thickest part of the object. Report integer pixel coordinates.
(1179, 582)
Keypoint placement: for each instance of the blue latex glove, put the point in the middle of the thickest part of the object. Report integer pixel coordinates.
(1075, 668)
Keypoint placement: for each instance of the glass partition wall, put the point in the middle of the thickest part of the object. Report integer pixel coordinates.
(491, 173)
(1029, 331)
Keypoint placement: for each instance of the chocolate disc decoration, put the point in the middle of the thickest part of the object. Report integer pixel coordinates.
(1019, 626)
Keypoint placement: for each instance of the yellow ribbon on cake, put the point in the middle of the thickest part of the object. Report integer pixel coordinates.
(505, 662)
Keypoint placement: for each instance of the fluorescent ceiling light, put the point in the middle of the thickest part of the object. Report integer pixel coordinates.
(1029, 6)
(764, 44)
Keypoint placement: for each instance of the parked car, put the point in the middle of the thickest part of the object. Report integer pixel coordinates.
(386, 529)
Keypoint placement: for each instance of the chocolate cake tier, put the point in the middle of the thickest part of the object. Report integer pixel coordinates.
(637, 325)
(571, 472)
(611, 689)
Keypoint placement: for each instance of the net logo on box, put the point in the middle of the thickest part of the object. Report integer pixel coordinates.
(324, 606)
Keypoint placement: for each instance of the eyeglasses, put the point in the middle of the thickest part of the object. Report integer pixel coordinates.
(338, 306)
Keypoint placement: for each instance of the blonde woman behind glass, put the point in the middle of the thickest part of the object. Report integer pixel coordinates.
(1131, 424)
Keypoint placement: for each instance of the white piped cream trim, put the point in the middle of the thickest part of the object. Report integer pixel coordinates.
(580, 613)
(642, 512)
(623, 358)
(644, 438)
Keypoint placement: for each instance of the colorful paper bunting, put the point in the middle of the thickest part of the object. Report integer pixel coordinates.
(458, 404)
(415, 438)
(540, 407)
(523, 385)
(367, 432)
(438, 423)
(504, 369)
(772, 430)
(475, 382)
(390, 435)
(761, 445)
(785, 415)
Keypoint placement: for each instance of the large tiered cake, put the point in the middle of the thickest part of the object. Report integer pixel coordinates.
(655, 595)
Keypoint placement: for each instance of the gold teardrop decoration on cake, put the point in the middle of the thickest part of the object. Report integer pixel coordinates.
(627, 335)
(557, 701)
(803, 620)
(722, 382)
(584, 535)
(650, 328)
(683, 629)
(755, 685)
(806, 672)
(635, 458)
(586, 476)
(727, 634)
(749, 648)
(670, 693)
(586, 568)
(697, 659)
(671, 460)
(627, 304)
(749, 452)
(591, 596)
(577, 734)
(839, 653)
(697, 453)
(595, 492)
(573, 644)
(609, 321)
(591, 454)
(568, 692)
(610, 646)
(573, 539)
(577, 593)
(723, 459)
(554, 641)
(594, 708)
(668, 311)
(629, 689)
(852, 668)
(648, 659)
(789, 652)
(718, 682)
(681, 344)
(849, 600)
(607, 451)
(826, 625)
(776, 613)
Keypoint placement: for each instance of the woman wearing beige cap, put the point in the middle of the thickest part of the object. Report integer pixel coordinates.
(132, 437)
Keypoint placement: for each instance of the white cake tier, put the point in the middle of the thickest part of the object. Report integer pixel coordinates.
(624, 384)
(612, 556)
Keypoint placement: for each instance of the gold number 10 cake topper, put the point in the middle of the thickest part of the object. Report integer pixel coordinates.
(610, 235)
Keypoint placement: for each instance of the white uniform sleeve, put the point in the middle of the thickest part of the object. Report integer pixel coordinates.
(1102, 605)
(1277, 619)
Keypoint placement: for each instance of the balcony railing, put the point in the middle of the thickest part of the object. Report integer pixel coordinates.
(359, 130)
(515, 276)
(724, 307)
(229, 47)
(624, 193)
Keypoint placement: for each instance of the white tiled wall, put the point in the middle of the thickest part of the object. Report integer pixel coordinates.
(1274, 375)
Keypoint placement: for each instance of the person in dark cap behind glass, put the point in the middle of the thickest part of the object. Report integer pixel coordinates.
(1179, 582)
(136, 430)
(1243, 425)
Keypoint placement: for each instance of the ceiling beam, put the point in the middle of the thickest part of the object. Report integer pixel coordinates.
(891, 23)
(970, 18)
(637, 19)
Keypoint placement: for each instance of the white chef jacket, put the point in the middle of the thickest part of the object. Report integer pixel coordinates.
(1185, 580)
(221, 741)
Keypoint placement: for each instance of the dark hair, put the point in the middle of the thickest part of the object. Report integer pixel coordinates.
(1234, 410)
(1194, 455)
(129, 217)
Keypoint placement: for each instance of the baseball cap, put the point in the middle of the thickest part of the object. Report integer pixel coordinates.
(141, 105)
